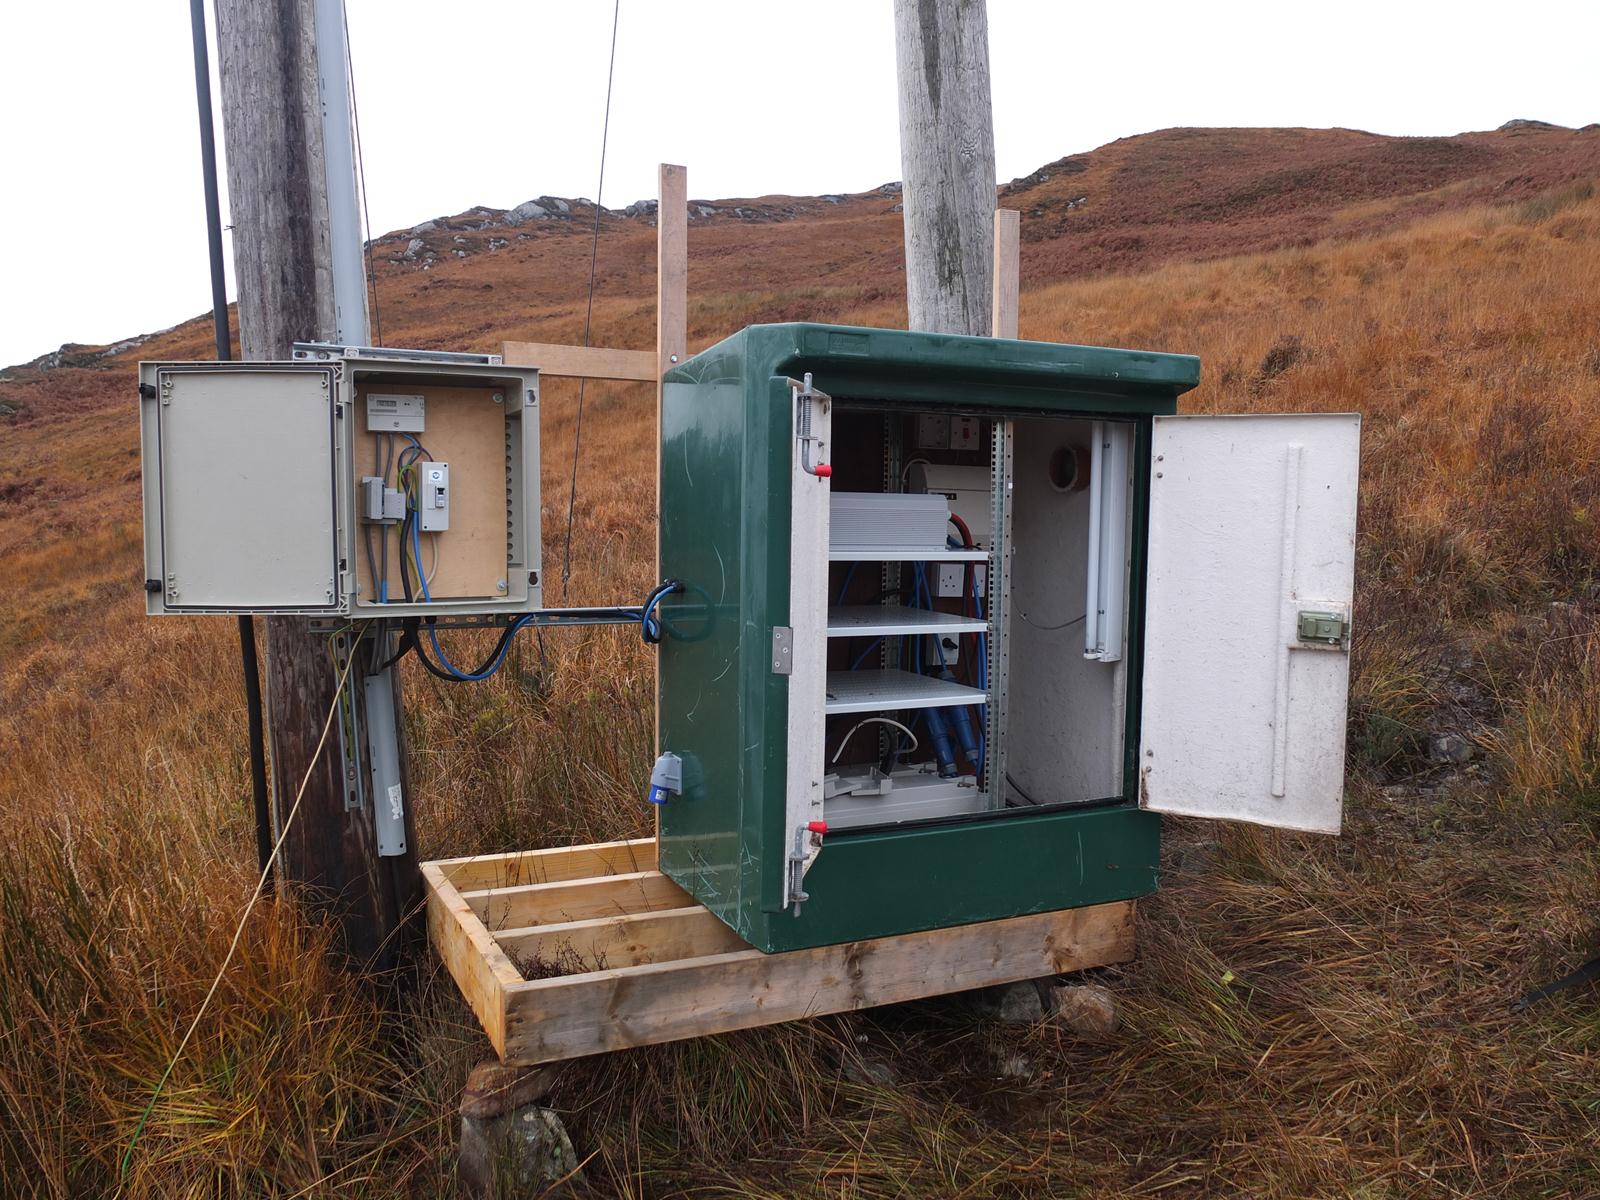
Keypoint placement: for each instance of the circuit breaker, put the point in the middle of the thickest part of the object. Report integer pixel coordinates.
(960, 617)
(349, 482)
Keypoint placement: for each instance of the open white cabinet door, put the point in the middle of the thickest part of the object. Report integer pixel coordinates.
(1251, 573)
(801, 650)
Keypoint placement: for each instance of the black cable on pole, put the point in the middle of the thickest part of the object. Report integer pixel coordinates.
(361, 172)
(208, 169)
(248, 660)
(588, 316)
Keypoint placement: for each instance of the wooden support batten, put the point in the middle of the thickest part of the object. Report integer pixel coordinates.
(1007, 271)
(580, 362)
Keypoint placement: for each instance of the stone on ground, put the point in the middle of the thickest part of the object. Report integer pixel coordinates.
(510, 1147)
(1087, 1009)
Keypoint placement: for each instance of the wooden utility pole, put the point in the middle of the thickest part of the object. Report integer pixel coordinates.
(285, 263)
(947, 162)
(961, 262)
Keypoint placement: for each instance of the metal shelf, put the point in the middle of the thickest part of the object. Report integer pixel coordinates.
(885, 691)
(903, 554)
(886, 620)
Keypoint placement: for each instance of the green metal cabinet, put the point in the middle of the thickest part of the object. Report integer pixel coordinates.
(744, 529)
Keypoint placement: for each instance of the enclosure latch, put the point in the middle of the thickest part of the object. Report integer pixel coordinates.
(807, 841)
(805, 396)
(1323, 628)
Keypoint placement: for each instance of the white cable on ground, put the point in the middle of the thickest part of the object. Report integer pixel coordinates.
(248, 909)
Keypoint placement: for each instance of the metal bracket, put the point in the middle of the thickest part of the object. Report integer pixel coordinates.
(352, 732)
(782, 650)
(333, 350)
(383, 763)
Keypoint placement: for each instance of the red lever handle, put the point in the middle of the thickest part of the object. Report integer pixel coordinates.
(824, 471)
(817, 827)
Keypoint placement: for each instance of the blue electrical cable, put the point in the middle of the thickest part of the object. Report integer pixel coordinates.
(845, 586)
(416, 553)
(499, 659)
(649, 625)
(433, 634)
(427, 598)
(383, 584)
(873, 645)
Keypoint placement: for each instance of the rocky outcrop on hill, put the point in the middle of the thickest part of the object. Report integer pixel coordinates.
(1524, 123)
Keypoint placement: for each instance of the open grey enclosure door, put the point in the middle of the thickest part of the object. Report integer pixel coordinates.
(1247, 619)
(241, 506)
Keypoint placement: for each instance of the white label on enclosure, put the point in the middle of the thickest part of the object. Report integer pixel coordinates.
(394, 414)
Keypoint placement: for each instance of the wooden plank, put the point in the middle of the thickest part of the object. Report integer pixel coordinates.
(576, 899)
(1007, 271)
(475, 960)
(672, 331)
(581, 362)
(672, 268)
(626, 941)
(549, 865)
(551, 1019)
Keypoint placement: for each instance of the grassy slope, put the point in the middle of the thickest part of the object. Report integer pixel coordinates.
(1307, 1016)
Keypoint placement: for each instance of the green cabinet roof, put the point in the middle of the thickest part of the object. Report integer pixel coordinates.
(938, 367)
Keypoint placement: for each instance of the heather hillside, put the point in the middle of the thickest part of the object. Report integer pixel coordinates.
(1307, 1016)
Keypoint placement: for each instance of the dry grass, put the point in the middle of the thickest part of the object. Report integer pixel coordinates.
(1307, 1017)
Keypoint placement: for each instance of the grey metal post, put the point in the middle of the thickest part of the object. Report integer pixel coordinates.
(384, 786)
(339, 162)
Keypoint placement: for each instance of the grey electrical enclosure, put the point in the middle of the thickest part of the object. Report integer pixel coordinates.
(269, 489)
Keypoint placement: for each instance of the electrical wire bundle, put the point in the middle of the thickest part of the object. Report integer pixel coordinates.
(403, 470)
(411, 525)
(439, 665)
(416, 582)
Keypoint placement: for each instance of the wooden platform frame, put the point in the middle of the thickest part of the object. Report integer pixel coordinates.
(585, 949)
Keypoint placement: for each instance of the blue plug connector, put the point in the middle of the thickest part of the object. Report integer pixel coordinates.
(666, 778)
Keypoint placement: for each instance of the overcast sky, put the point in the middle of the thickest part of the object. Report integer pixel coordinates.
(482, 102)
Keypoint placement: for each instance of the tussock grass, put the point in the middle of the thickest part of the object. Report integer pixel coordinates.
(1547, 204)
(1306, 1017)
